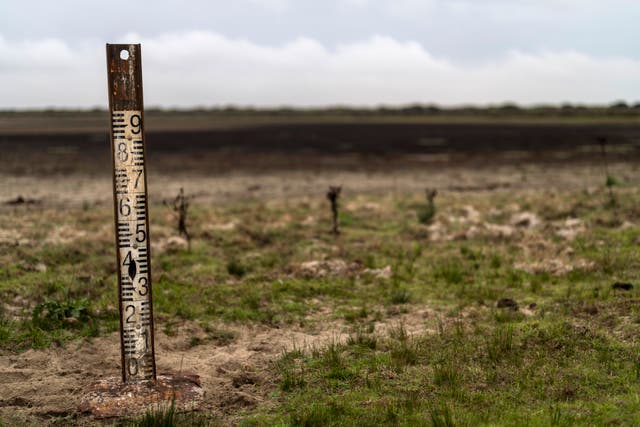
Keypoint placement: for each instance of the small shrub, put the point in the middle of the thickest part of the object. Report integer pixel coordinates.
(445, 374)
(318, 414)
(441, 417)
(291, 370)
(220, 336)
(236, 268)
(195, 341)
(251, 301)
(500, 344)
(180, 206)
(363, 339)
(291, 380)
(52, 315)
(161, 417)
(336, 367)
(451, 271)
(427, 211)
(355, 315)
(558, 418)
(496, 261)
(404, 355)
(610, 181)
(400, 296)
(398, 333)
(333, 195)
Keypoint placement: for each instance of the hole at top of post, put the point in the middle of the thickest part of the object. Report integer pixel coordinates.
(124, 54)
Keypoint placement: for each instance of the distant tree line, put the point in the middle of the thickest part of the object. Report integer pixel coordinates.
(616, 109)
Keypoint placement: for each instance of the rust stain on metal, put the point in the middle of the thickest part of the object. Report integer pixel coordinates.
(125, 77)
(111, 398)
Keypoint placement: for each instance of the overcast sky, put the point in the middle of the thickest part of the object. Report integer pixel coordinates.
(324, 52)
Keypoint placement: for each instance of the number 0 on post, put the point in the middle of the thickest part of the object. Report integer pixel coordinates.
(131, 212)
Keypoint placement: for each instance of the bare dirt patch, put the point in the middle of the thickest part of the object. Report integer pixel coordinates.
(40, 384)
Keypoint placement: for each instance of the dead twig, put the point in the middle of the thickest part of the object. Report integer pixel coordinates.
(333, 194)
(610, 181)
(180, 206)
(428, 211)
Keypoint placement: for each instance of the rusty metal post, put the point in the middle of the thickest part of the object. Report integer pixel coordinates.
(131, 212)
(138, 389)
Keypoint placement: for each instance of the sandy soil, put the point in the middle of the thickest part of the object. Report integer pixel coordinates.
(38, 386)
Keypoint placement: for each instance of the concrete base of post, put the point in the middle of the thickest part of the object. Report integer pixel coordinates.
(110, 397)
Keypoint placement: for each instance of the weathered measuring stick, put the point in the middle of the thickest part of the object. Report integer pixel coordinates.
(131, 212)
(140, 390)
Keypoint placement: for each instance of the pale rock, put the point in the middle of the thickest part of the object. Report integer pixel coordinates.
(525, 220)
(228, 226)
(627, 225)
(329, 268)
(471, 214)
(380, 273)
(570, 229)
(500, 231)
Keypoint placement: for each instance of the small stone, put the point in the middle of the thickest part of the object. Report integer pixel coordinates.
(507, 303)
(622, 286)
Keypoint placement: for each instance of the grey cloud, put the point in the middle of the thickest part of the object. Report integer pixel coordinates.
(462, 30)
(205, 68)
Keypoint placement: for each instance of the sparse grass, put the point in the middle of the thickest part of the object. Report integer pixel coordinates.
(511, 375)
(170, 417)
(570, 359)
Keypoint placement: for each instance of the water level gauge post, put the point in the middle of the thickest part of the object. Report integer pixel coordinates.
(139, 389)
(131, 212)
